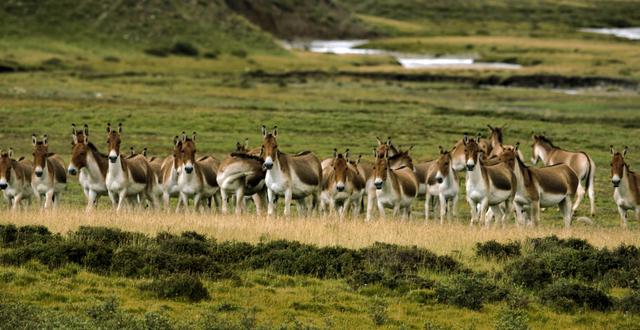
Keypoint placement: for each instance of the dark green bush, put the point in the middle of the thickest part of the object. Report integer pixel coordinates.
(495, 250)
(553, 243)
(182, 48)
(12, 236)
(186, 287)
(159, 52)
(469, 291)
(566, 297)
(529, 271)
(105, 235)
(212, 55)
(630, 303)
(128, 261)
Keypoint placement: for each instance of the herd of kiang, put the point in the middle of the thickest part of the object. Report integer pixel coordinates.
(498, 182)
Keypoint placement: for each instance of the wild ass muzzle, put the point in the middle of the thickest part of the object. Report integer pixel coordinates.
(580, 162)
(49, 175)
(130, 178)
(442, 183)
(342, 185)
(395, 188)
(293, 176)
(90, 165)
(242, 174)
(541, 187)
(196, 176)
(15, 178)
(487, 186)
(626, 186)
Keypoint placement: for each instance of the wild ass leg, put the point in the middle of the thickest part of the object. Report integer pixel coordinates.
(473, 207)
(225, 202)
(443, 207)
(427, 204)
(48, 199)
(91, 200)
(371, 203)
(623, 216)
(288, 194)
(484, 205)
(567, 212)
(271, 200)
(122, 196)
(16, 202)
(240, 203)
(519, 214)
(535, 213)
(580, 195)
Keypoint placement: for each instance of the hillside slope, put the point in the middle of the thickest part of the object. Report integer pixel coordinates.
(131, 22)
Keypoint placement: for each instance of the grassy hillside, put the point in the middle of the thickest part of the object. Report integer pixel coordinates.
(469, 17)
(302, 18)
(137, 24)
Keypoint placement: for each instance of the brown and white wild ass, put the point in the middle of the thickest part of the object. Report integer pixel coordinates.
(441, 182)
(395, 188)
(292, 176)
(626, 186)
(168, 178)
(342, 185)
(541, 187)
(15, 178)
(128, 178)
(196, 176)
(49, 175)
(458, 152)
(89, 164)
(580, 162)
(487, 186)
(241, 174)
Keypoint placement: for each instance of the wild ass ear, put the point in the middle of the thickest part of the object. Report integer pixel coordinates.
(193, 137)
(375, 153)
(517, 146)
(132, 151)
(119, 128)
(359, 159)
(86, 130)
(264, 131)
(45, 140)
(478, 138)
(491, 128)
(238, 146)
(176, 140)
(624, 152)
(246, 143)
(410, 148)
(465, 139)
(34, 139)
(335, 153)
(441, 150)
(10, 153)
(108, 127)
(275, 131)
(183, 136)
(144, 151)
(379, 141)
(389, 143)
(613, 151)
(346, 154)
(73, 129)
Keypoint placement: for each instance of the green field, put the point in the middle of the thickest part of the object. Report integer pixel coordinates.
(579, 89)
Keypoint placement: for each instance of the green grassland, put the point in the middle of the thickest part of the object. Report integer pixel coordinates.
(74, 67)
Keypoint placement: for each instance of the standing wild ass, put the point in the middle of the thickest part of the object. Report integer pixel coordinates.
(241, 174)
(15, 178)
(458, 156)
(487, 186)
(49, 175)
(342, 185)
(583, 165)
(168, 178)
(541, 187)
(626, 186)
(395, 188)
(90, 165)
(292, 176)
(128, 177)
(441, 182)
(196, 178)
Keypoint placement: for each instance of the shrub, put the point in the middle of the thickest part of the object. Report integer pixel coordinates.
(495, 250)
(128, 261)
(630, 303)
(182, 48)
(378, 310)
(566, 297)
(469, 291)
(159, 52)
(212, 55)
(553, 243)
(177, 287)
(110, 58)
(241, 53)
(530, 272)
(105, 235)
(512, 319)
(12, 236)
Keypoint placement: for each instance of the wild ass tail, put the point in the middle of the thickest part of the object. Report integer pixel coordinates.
(591, 184)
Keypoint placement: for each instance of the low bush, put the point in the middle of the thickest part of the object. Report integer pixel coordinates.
(498, 251)
(103, 235)
(630, 303)
(565, 296)
(529, 271)
(159, 52)
(469, 291)
(12, 236)
(378, 310)
(553, 243)
(182, 48)
(212, 55)
(186, 287)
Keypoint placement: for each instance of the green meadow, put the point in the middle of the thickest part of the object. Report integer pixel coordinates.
(77, 66)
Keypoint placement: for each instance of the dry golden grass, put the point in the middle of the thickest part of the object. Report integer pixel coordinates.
(455, 238)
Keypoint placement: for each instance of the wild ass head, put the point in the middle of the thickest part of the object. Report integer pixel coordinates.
(617, 165)
(79, 149)
(269, 147)
(40, 154)
(472, 152)
(113, 142)
(6, 162)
